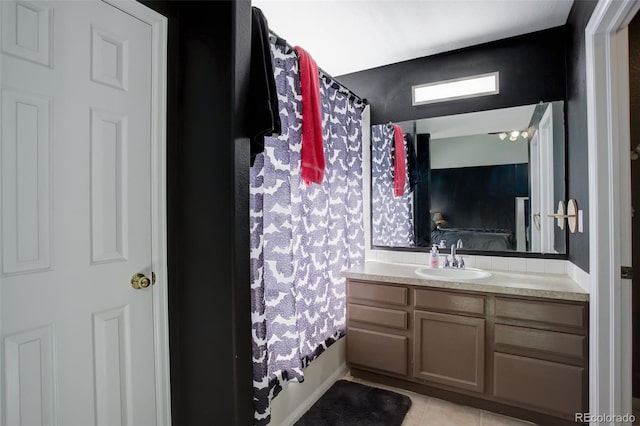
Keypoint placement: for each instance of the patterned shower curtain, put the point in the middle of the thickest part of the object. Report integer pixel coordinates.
(302, 237)
(391, 217)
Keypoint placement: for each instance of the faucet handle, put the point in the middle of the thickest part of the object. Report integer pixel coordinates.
(446, 262)
(461, 262)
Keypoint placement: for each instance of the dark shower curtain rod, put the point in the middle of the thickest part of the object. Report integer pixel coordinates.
(323, 72)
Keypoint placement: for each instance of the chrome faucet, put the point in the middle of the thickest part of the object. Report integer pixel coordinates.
(456, 262)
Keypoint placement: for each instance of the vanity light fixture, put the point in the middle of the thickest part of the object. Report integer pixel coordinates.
(459, 88)
(513, 135)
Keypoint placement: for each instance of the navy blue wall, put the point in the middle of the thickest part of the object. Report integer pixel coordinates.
(479, 197)
(576, 110)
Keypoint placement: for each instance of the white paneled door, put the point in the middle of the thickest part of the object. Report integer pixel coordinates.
(542, 191)
(77, 338)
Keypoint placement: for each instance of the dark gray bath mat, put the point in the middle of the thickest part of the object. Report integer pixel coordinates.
(352, 404)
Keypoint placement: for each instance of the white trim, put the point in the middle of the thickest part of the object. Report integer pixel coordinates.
(366, 180)
(622, 328)
(547, 204)
(577, 274)
(610, 366)
(1, 352)
(159, 29)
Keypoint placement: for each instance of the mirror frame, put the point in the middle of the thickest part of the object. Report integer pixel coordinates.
(463, 251)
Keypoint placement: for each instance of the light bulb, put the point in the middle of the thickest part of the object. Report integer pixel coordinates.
(502, 136)
(524, 134)
(513, 138)
(515, 134)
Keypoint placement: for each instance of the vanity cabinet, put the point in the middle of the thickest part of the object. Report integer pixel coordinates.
(515, 353)
(449, 338)
(542, 344)
(378, 327)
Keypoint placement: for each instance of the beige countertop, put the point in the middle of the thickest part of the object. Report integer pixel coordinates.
(550, 286)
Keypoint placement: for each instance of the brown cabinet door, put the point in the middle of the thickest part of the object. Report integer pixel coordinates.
(449, 349)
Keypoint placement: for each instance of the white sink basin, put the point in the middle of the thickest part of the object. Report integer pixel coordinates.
(446, 274)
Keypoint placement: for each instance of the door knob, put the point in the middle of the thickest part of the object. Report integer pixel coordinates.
(139, 281)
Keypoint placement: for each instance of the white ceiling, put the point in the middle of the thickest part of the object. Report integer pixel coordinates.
(476, 123)
(353, 35)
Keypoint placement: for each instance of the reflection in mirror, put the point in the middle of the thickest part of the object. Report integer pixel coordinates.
(488, 179)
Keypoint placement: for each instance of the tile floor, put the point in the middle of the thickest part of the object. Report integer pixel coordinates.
(427, 411)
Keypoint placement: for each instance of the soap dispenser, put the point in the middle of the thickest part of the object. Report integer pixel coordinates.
(434, 260)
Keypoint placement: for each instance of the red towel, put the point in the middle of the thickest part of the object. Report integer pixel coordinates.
(313, 164)
(399, 161)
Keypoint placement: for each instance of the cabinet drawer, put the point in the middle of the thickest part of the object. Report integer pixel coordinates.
(451, 302)
(378, 293)
(381, 351)
(378, 316)
(550, 342)
(562, 314)
(546, 386)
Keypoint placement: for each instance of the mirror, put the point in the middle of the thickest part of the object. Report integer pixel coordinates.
(488, 179)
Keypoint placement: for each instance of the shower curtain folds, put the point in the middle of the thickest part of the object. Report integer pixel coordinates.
(302, 237)
(392, 222)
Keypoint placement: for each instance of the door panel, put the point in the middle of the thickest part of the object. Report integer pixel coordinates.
(536, 193)
(449, 349)
(546, 192)
(634, 117)
(542, 192)
(76, 215)
(29, 377)
(26, 190)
